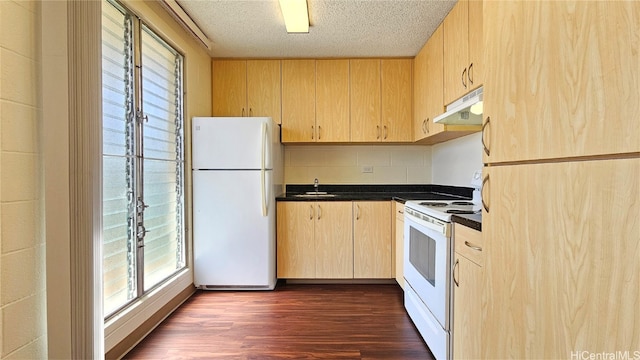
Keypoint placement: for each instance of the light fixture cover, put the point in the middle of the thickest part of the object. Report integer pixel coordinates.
(465, 111)
(296, 16)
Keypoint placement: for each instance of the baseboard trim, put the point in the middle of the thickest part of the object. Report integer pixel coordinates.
(340, 281)
(123, 347)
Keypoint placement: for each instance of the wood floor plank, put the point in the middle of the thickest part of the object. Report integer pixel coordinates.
(292, 322)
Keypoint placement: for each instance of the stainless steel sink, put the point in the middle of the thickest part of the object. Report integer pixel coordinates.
(314, 194)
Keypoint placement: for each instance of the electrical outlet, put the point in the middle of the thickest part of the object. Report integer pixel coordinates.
(367, 169)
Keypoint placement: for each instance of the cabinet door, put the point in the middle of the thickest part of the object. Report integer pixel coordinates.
(420, 94)
(561, 258)
(263, 88)
(365, 100)
(467, 319)
(475, 68)
(563, 79)
(372, 240)
(296, 247)
(456, 53)
(229, 87)
(435, 82)
(334, 240)
(395, 79)
(332, 100)
(399, 245)
(298, 100)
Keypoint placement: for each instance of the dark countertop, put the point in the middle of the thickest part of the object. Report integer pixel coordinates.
(400, 193)
(473, 221)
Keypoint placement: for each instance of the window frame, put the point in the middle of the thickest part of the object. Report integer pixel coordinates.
(138, 25)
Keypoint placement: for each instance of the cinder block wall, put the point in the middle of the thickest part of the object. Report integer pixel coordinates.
(22, 247)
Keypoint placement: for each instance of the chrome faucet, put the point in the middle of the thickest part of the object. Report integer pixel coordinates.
(315, 184)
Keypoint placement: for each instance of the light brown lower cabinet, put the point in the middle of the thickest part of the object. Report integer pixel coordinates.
(334, 240)
(467, 293)
(372, 240)
(314, 240)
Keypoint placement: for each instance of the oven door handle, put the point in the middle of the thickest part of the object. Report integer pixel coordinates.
(431, 224)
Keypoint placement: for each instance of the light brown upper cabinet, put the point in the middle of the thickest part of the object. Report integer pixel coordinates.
(332, 101)
(246, 88)
(229, 87)
(580, 95)
(263, 88)
(298, 100)
(420, 92)
(462, 49)
(429, 95)
(380, 100)
(395, 78)
(365, 100)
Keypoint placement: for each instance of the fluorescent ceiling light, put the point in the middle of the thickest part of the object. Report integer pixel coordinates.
(296, 17)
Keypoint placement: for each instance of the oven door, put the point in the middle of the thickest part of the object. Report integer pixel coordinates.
(427, 261)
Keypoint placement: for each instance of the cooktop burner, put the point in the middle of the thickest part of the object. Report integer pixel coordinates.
(456, 211)
(434, 204)
(444, 209)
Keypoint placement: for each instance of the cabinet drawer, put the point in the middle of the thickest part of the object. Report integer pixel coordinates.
(468, 243)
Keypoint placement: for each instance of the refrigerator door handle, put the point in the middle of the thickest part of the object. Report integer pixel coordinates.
(262, 169)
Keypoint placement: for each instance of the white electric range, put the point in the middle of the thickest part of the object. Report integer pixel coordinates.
(428, 256)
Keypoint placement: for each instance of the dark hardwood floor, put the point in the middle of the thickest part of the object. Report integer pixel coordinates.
(293, 322)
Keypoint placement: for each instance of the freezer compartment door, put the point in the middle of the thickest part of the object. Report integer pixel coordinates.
(232, 143)
(234, 244)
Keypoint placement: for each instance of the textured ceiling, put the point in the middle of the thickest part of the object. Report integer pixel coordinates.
(339, 28)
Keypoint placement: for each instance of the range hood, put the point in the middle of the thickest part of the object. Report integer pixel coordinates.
(464, 111)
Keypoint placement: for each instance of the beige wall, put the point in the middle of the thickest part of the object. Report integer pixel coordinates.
(342, 164)
(22, 260)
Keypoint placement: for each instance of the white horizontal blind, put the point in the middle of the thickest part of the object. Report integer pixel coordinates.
(163, 159)
(118, 160)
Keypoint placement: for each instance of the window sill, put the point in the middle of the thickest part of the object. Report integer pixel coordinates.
(123, 324)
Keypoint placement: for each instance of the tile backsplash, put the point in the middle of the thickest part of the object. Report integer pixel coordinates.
(350, 164)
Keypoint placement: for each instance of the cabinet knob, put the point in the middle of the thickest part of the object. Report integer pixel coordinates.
(319, 132)
(313, 131)
(385, 132)
(470, 74)
(428, 125)
(378, 131)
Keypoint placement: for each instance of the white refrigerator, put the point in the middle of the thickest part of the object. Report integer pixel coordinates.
(237, 174)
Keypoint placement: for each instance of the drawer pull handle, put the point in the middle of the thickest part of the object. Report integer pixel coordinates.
(484, 144)
(453, 271)
(485, 185)
(474, 247)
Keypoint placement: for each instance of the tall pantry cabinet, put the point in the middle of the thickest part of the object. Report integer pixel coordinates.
(561, 224)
